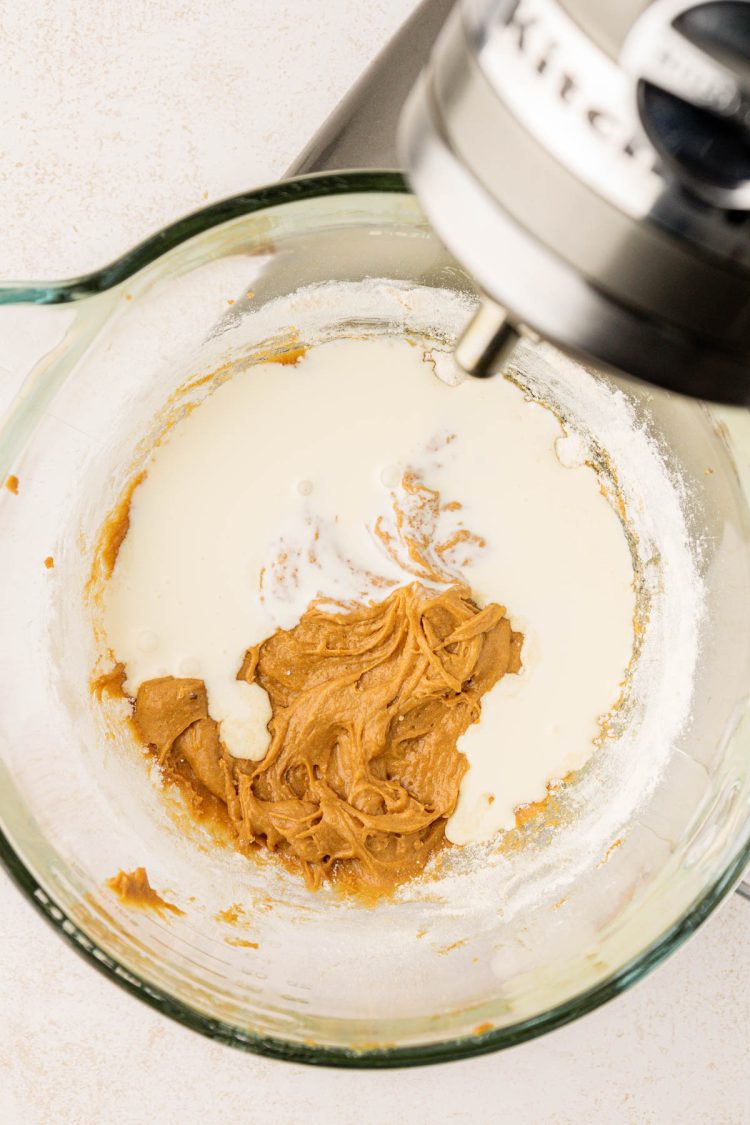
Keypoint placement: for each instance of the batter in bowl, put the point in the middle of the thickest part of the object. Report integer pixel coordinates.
(310, 612)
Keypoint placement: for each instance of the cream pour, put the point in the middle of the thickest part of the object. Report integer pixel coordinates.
(266, 497)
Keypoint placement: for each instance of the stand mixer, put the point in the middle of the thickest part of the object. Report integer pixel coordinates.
(587, 168)
(588, 163)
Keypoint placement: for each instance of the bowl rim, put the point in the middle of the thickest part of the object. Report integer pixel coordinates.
(79, 288)
(195, 223)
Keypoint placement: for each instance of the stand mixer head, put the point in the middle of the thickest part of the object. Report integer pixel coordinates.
(588, 163)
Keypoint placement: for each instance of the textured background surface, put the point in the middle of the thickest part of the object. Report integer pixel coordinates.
(114, 119)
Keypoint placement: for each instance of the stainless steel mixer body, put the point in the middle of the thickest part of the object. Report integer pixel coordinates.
(588, 162)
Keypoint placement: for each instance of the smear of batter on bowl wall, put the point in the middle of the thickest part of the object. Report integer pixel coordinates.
(310, 614)
(133, 888)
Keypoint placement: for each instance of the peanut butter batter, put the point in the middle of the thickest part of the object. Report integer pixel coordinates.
(368, 705)
(134, 889)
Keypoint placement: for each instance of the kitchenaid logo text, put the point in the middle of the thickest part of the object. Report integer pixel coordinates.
(562, 62)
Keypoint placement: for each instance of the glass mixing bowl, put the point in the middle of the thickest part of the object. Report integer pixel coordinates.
(535, 932)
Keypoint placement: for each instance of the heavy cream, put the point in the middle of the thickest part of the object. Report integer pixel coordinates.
(281, 487)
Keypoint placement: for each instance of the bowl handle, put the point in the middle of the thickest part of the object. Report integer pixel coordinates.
(41, 343)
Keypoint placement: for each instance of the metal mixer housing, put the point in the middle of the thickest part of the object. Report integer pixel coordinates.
(589, 164)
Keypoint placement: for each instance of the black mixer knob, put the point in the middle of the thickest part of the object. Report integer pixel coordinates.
(693, 71)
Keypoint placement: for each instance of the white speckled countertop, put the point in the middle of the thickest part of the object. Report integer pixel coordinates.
(114, 119)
